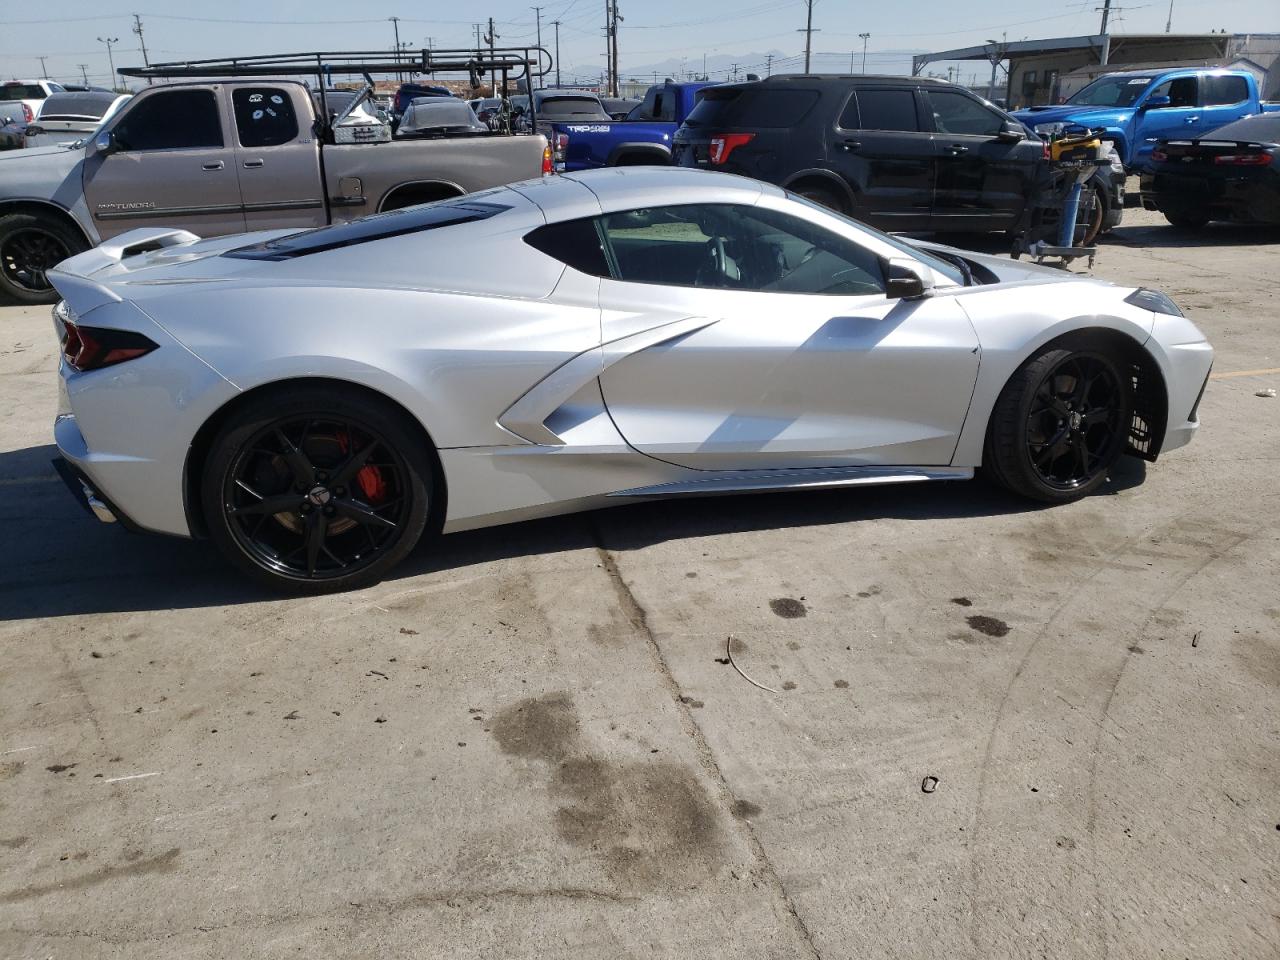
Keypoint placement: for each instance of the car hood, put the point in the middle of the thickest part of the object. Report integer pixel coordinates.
(1073, 113)
(12, 161)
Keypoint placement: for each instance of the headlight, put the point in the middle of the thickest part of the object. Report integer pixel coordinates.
(1050, 129)
(1155, 301)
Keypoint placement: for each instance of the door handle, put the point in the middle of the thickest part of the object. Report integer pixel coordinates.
(850, 144)
(253, 163)
(215, 165)
(957, 150)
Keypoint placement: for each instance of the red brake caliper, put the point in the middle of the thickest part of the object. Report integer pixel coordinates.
(369, 479)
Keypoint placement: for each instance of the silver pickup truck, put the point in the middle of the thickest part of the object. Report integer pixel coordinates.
(225, 157)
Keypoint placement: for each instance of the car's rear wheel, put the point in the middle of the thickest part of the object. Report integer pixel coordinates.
(1093, 228)
(317, 490)
(1059, 425)
(825, 196)
(31, 245)
(1186, 221)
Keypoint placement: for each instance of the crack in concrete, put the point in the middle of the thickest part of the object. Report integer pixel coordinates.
(706, 758)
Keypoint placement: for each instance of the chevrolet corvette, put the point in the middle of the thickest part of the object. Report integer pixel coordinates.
(316, 402)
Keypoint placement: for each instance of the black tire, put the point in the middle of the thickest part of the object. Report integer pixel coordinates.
(825, 196)
(1097, 217)
(31, 243)
(309, 452)
(1186, 221)
(1059, 425)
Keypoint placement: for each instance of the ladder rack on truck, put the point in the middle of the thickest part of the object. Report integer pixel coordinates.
(518, 63)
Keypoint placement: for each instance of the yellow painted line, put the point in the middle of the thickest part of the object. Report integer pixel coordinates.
(1244, 373)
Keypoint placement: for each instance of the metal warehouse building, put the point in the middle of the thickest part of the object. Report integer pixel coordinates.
(1045, 71)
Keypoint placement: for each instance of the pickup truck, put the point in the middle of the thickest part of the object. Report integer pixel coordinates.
(1136, 108)
(643, 138)
(220, 157)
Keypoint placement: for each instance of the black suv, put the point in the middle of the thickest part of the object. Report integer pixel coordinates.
(899, 153)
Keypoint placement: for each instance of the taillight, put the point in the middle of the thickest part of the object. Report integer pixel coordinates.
(27, 115)
(92, 348)
(1159, 156)
(1243, 159)
(560, 141)
(1048, 154)
(547, 166)
(725, 144)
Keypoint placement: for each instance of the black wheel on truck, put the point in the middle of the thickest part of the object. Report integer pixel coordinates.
(30, 245)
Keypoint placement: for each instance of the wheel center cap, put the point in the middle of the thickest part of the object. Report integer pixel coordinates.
(319, 496)
(1076, 420)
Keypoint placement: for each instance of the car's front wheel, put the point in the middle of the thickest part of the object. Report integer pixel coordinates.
(1059, 425)
(317, 490)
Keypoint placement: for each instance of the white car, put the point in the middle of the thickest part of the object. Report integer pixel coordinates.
(315, 401)
(31, 92)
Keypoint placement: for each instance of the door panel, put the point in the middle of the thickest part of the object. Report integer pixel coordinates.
(173, 167)
(1178, 121)
(784, 380)
(277, 158)
(982, 183)
(881, 150)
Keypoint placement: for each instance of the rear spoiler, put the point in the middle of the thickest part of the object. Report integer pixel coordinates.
(72, 278)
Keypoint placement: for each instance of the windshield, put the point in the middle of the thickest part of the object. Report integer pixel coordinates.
(21, 91)
(553, 107)
(1118, 91)
(942, 267)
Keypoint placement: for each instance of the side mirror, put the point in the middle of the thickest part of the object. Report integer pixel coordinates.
(106, 143)
(1011, 132)
(33, 130)
(906, 279)
(1156, 103)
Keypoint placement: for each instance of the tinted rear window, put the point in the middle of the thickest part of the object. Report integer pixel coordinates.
(1264, 128)
(575, 243)
(765, 108)
(68, 106)
(21, 91)
(380, 226)
(550, 107)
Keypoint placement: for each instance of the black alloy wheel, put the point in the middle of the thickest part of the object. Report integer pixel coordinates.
(30, 246)
(1059, 425)
(316, 498)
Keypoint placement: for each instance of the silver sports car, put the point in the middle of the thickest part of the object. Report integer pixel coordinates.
(315, 402)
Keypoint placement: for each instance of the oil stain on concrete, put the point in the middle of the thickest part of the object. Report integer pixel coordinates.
(650, 822)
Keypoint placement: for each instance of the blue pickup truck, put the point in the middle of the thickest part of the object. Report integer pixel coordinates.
(1139, 107)
(644, 138)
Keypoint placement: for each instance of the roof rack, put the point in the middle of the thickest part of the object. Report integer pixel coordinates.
(523, 62)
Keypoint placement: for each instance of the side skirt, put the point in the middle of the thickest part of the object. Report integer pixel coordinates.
(748, 481)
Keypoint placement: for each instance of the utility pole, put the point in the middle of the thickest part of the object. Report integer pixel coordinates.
(42, 66)
(1105, 58)
(808, 32)
(557, 25)
(137, 28)
(395, 23)
(1168, 24)
(110, 59)
(614, 47)
(735, 72)
(768, 64)
(84, 72)
(537, 15)
(865, 37)
(493, 73)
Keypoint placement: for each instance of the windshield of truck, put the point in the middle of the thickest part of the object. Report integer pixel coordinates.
(1112, 92)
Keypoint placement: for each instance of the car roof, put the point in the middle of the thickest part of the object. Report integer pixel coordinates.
(837, 80)
(613, 189)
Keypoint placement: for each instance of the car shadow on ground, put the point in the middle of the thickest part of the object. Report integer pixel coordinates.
(1211, 235)
(64, 563)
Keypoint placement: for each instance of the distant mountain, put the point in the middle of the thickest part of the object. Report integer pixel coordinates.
(721, 66)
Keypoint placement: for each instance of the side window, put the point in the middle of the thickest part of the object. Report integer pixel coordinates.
(172, 120)
(959, 114)
(730, 247)
(883, 110)
(1182, 92)
(264, 116)
(1221, 91)
(575, 243)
